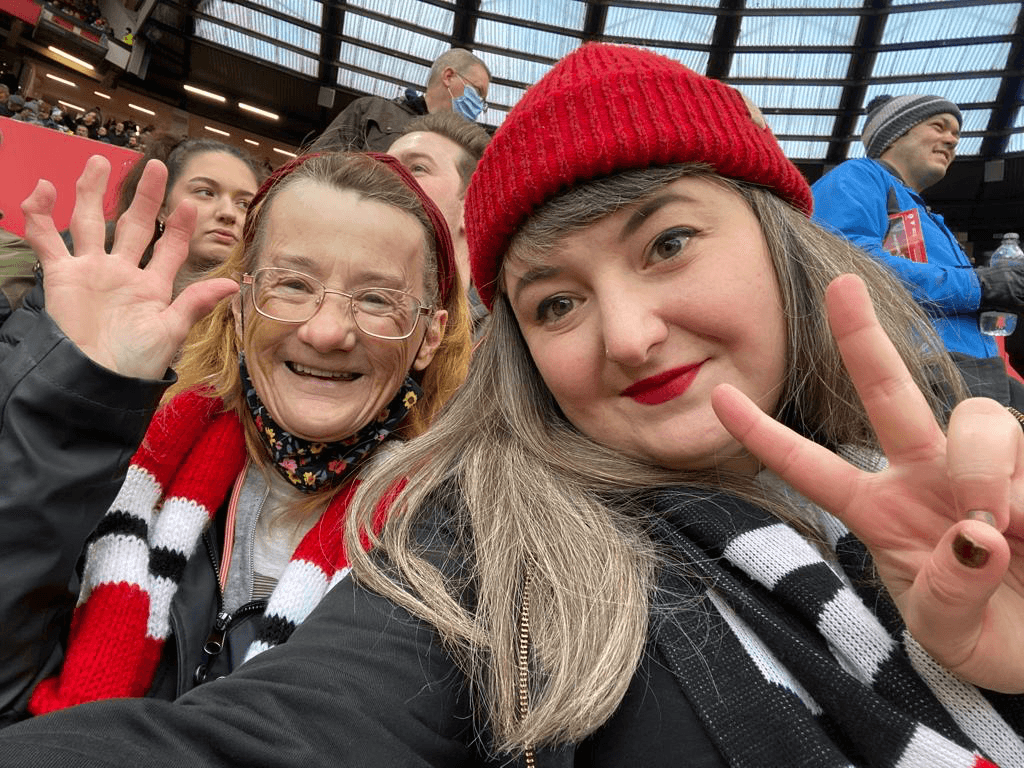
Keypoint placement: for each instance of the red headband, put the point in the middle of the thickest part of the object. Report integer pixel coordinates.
(442, 237)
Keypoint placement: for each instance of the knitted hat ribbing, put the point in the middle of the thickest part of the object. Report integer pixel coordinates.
(889, 117)
(603, 109)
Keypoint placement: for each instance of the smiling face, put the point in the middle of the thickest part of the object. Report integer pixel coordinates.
(221, 186)
(923, 154)
(635, 319)
(434, 161)
(324, 379)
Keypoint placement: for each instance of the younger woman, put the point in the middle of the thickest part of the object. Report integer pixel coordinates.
(219, 179)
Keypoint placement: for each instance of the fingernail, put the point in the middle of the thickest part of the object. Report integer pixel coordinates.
(983, 515)
(968, 552)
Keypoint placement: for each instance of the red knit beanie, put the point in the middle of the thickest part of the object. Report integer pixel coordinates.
(604, 109)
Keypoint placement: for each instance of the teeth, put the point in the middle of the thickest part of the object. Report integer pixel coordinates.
(322, 374)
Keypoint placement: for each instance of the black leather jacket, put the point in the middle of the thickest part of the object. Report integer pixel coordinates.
(68, 429)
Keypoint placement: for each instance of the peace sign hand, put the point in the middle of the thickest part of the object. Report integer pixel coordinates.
(119, 314)
(944, 523)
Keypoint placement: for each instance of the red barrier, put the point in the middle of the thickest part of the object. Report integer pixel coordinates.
(30, 152)
(1001, 343)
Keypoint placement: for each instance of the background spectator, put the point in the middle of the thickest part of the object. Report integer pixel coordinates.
(458, 81)
(5, 94)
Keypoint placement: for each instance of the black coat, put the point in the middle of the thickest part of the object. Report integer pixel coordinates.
(69, 429)
(359, 682)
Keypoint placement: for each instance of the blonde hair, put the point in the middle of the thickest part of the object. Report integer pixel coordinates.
(525, 495)
(211, 353)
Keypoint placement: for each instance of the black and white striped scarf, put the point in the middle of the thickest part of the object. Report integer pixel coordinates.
(791, 659)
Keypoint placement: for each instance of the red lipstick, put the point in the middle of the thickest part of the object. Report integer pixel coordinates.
(664, 386)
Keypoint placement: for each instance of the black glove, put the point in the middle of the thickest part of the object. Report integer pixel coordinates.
(1002, 287)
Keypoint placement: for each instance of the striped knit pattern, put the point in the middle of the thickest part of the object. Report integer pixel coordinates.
(890, 117)
(134, 561)
(318, 564)
(787, 664)
(314, 569)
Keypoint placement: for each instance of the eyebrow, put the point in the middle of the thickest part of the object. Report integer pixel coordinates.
(649, 207)
(217, 184)
(412, 154)
(312, 268)
(530, 277)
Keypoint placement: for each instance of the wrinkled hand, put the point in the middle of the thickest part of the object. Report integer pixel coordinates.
(119, 314)
(945, 522)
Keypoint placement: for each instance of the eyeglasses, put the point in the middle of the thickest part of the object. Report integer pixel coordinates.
(478, 89)
(294, 297)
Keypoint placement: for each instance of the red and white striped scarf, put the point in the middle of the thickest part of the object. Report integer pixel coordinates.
(188, 462)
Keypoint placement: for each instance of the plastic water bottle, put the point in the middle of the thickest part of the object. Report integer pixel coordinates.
(1002, 323)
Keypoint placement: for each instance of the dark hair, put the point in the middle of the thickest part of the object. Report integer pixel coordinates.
(175, 152)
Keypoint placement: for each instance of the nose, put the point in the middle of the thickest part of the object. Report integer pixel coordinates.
(226, 210)
(332, 327)
(631, 328)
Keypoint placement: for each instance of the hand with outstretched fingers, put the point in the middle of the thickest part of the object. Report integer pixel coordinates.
(119, 314)
(944, 523)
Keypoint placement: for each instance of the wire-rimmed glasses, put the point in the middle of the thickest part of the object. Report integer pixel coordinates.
(480, 93)
(289, 296)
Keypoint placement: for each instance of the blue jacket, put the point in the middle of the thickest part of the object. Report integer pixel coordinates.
(851, 200)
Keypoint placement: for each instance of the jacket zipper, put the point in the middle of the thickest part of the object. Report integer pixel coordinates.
(221, 626)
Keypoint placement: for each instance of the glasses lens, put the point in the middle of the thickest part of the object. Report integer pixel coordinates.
(286, 295)
(385, 312)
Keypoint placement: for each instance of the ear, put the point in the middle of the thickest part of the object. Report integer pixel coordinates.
(432, 340)
(461, 225)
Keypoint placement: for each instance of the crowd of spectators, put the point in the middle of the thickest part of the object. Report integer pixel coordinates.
(90, 124)
(87, 11)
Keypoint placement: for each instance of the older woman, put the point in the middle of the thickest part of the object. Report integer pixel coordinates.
(607, 551)
(350, 331)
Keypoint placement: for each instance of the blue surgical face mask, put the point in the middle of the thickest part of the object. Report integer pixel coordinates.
(469, 104)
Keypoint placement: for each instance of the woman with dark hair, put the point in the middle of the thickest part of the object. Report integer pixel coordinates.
(218, 178)
(668, 520)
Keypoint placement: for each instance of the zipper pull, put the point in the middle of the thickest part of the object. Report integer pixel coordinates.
(215, 640)
(213, 645)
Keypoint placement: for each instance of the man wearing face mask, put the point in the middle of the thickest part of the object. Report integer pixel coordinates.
(458, 82)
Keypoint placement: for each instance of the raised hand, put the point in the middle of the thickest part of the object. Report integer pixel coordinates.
(119, 314)
(945, 521)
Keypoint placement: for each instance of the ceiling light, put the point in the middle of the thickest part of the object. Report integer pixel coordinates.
(141, 109)
(69, 105)
(102, 95)
(62, 80)
(258, 111)
(69, 57)
(285, 152)
(218, 131)
(250, 141)
(205, 94)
